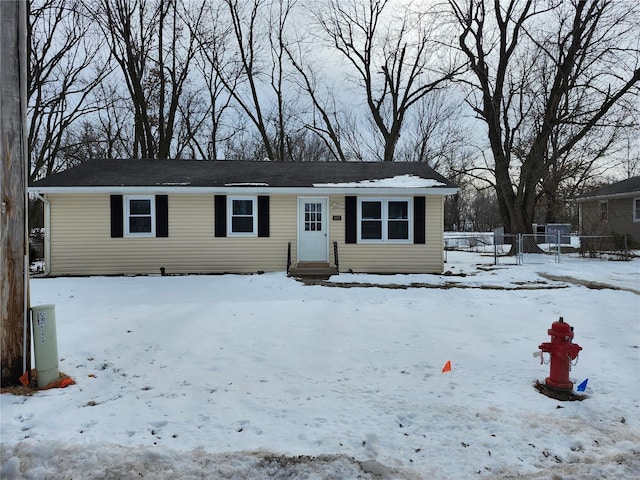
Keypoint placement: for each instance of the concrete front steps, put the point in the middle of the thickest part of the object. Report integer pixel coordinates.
(321, 270)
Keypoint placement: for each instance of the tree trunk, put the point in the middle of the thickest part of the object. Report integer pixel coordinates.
(389, 149)
(13, 174)
(522, 224)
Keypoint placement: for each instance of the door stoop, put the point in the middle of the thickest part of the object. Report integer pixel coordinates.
(321, 270)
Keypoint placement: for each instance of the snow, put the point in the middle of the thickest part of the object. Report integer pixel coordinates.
(262, 376)
(399, 181)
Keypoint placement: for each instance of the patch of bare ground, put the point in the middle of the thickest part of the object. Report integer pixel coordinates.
(539, 285)
(562, 395)
(31, 387)
(586, 283)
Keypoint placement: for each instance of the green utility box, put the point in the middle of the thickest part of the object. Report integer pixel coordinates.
(45, 343)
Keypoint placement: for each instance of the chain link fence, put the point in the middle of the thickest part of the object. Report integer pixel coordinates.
(506, 249)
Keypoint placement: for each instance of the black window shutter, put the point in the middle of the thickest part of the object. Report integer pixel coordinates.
(263, 216)
(162, 216)
(117, 216)
(419, 225)
(220, 212)
(351, 220)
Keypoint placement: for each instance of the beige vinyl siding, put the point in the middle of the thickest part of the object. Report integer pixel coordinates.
(193, 229)
(391, 258)
(81, 242)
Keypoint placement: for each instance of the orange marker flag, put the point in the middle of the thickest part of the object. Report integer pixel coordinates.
(24, 379)
(447, 367)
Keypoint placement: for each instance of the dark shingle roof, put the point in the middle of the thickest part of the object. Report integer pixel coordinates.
(630, 185)
(207, 173)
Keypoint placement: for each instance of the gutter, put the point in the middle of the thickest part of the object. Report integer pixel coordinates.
(252, 190)
(47, 232)
(608, 196)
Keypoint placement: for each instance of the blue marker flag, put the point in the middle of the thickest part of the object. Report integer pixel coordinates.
(583, 386)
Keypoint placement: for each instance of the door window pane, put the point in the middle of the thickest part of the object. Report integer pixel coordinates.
(313, 217)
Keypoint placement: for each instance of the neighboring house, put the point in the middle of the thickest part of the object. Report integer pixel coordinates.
(612, 210)
(187, 216)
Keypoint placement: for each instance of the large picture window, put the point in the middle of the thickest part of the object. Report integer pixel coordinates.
(384, 220)
(139, 216)
(242, 217)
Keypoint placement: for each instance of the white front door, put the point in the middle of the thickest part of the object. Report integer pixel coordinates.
(313, 241)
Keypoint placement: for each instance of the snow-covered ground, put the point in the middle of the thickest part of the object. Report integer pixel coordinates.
(261, 376)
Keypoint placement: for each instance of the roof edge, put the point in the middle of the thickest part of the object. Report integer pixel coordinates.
(252, 190)
(634, 193)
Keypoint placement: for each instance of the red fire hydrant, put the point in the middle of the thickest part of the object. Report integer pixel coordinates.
(562, 352)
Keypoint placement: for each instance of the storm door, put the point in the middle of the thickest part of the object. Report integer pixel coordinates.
(312, 230)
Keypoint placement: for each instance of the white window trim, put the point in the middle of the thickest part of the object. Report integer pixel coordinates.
(636, 211)
(385, 220)
(254, 209)
(152, 206)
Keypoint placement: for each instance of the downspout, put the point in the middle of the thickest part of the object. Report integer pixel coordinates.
(580, 229)
(26, 299)
(25, 311)
(47, 235)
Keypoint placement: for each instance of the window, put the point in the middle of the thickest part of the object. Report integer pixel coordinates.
(371, 220)
(312, 217)
(139, 216)
(398, 221)
(636, 209)
(604, 210)
(242, 218)
(384, 220)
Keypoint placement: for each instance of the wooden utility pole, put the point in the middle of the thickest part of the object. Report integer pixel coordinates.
(13, 186)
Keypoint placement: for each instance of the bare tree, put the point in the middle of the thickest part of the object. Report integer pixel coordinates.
(154, 50)
(631, 157)
(567, 173)
(306, 146)
(482, 214)
(215, 55)
(65, 67)
(324, 121)
(112, 121)
(256, 76)
(129, 36)
(435, 133)
(242, 81)
(392, 56)
(543, 77)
